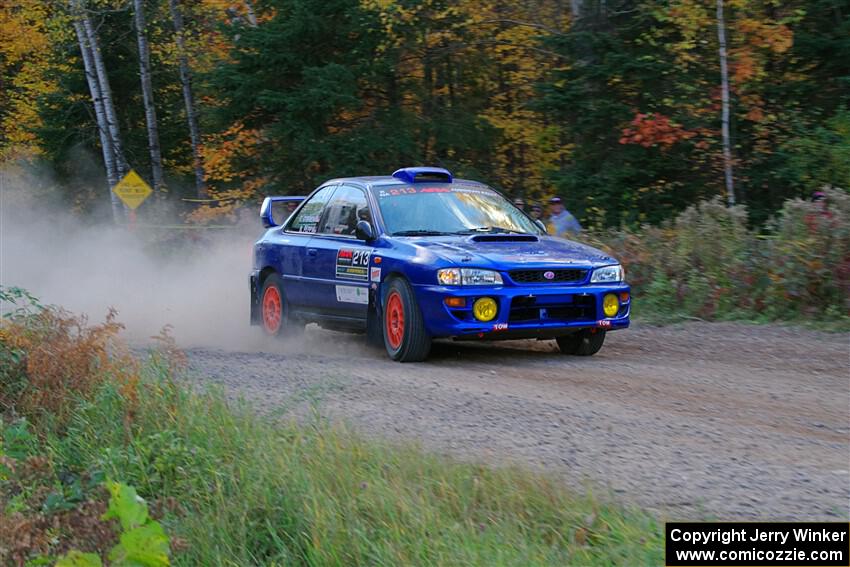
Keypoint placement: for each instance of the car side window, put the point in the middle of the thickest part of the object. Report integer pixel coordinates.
(347, 206)
(308, 218)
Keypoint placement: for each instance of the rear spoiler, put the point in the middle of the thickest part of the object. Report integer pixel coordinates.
(267, 213)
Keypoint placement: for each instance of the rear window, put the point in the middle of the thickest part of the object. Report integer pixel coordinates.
(307, 219)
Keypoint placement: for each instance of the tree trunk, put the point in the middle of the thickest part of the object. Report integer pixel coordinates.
(100, 117)
(724, 83)
(252, 17)
(106, 95)
(188, 98)
(147, 97)
(576, 8)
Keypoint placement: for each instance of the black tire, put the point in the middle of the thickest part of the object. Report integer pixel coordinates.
(405, 336)
(586, 342)
(282, 325)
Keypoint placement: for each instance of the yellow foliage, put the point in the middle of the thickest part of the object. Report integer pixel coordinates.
(24, 48)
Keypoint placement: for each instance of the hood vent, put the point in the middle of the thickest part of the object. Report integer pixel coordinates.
(505, 238)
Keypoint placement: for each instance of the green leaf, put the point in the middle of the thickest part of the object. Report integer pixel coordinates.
(56, 502)
(126, 505)
(38, 561)
(79, 559)
(145, 546)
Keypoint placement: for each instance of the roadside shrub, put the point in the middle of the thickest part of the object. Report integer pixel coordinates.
(707, 263)
(807, 262)
(52, 357)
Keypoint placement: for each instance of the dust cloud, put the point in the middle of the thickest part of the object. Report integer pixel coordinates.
(196, 281)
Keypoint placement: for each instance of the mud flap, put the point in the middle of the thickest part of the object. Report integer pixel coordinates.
(255, 301)
(374, 327)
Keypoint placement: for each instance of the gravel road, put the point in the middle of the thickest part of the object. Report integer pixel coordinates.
(692, 421)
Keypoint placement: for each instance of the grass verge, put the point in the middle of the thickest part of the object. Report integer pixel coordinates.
(233, 488)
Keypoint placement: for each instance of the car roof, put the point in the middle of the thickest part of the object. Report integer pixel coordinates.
(374, 181)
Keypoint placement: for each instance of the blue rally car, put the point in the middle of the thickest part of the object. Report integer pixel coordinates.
(417, 256)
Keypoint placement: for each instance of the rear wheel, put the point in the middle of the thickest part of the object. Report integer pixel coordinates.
(274, 310)
(405, 336)
(586, 342)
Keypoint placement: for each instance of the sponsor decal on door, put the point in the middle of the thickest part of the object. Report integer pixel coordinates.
(353, 264)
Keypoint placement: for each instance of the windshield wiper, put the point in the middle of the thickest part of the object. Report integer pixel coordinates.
(420, 232)
(490, 229)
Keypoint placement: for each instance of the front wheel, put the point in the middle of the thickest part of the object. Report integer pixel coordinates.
(405, 336)
(586, 342)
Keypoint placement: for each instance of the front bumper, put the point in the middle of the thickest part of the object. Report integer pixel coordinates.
(532, 311)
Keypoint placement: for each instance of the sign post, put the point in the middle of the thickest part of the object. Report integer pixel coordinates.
(133, 191)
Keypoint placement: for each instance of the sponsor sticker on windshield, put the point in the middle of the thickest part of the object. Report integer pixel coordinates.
(454, 188)
(353, 264)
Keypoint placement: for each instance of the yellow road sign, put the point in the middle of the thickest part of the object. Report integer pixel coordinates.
(132, 190)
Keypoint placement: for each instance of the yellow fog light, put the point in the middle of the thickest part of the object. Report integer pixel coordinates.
(485, 309)
(610, 305)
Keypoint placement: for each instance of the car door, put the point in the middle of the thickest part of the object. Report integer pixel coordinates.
(337, 262)
(292, 242)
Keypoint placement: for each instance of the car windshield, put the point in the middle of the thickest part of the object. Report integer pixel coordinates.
(450, 209)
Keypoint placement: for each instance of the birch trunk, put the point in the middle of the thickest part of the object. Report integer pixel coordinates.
(252, 17)
(147, 97)
(106, 96)
(576, 8)
(189, 100)
(724, 84)
(100, 117)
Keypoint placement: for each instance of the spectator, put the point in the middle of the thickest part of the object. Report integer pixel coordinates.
(519, 203)
(561, 222)
(819, 198)
(536, 211)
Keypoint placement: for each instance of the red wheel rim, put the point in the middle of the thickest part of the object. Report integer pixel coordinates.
(272, 310)
(395, 320)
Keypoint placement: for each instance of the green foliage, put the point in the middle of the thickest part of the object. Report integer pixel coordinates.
(143, 546)
(79, 559)
(17, 441)
(126, 506)
(142, 542)
(16, 305)
(16, 302)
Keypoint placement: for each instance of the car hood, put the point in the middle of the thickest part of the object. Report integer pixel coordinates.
(500, 251)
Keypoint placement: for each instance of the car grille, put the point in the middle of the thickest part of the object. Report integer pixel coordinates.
(556, 308)
(570, 275)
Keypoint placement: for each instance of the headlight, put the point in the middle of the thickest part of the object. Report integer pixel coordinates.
(608, 274)
(468, 276)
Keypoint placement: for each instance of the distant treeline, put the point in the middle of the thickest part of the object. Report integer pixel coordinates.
(617, 106)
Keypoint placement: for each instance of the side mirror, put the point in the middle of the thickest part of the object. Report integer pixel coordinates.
(540, 225)
(363, 230)
(266, 213)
